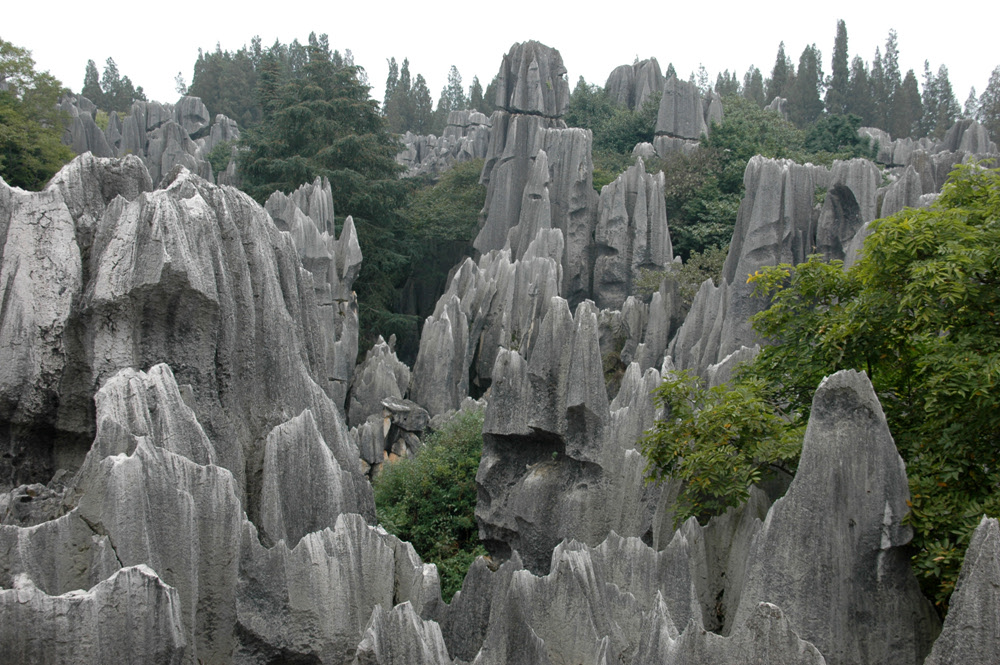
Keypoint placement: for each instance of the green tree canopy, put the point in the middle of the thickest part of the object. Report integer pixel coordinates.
(31, 127)
(917, 312)
(840, 77)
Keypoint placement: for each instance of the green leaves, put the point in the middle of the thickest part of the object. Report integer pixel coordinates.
(31, 127)
(719, 442)
(430, 500)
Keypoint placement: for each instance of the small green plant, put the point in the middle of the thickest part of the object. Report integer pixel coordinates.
(102, 120)
(220, 155)
(430, 500)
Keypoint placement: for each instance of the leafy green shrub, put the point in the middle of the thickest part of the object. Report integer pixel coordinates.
(430, 500)
(219, 156)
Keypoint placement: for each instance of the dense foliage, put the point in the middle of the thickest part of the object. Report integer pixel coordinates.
(919, 313)
(430, 500)
(31, 127)
(112, 91)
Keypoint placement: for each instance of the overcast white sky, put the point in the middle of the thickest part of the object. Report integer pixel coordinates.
(593, 38)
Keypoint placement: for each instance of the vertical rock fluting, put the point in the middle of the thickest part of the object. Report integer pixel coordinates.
(831, 553)
(631, 234)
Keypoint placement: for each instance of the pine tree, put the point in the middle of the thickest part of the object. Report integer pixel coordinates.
(391, 81)
(727, 84)
(92, 85)
(893, 82)
(804, 102)
(840, 77)
(702, 81)
(456, 93)
(859, 95)
(878, 91)
(753, 86)
(971, 104)
(671, 72)
(423, 110)
(777, 85)
(909, 108)
(941, 109)
(476, 95)
(988, 112)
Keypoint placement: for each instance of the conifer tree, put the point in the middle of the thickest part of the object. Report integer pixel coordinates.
(476, 95)
(838, 89)
(908, 108)
(805, 104)
(988, 111)
(753, 86)
(778, 84)
(92, 85)
(423, 110)
(859, 97)
(971, 104)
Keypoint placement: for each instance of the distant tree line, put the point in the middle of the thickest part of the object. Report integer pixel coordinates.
(110, 91)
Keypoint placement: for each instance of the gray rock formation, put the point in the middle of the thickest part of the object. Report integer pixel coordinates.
(465, 137)
(969, 634)
(831, 553)
(131, 615)
(682, 112)
(379, 376)
(400, 636)
(532, 80)
(631, 234)
(307, 215)
(632, 85)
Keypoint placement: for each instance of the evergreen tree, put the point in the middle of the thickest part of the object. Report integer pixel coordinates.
(778, 84)
(456, 93)
(671, 72)
(441, 112)
(971, 104)
(702, 80)
(92, 85)
(423, 110)
(391, 81)
(878, 92)
(804, 101)
(838, 88)
(753, 86)
(941, 109)
(988, 111)
(476, 95)
(893, 82)
(227, 83)
(399, 106)
(490, 96)
(859, 95)
(726, 84)
(909, 109)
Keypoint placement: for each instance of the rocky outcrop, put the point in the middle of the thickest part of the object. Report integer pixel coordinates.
(132, 614)
(684, 115)
(532, 80)
(631, 234)
(631, 85)
(400, 636)
(379, 376)
(307, 215)
(969, 633)
(465, 137)
(832, 551)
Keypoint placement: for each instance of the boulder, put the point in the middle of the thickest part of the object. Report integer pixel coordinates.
(532, 79)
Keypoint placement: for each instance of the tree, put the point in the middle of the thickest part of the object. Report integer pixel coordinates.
(917, 312)
(391, 81)
(838, 87)
(727, 85)
(804, 96)
(777, 85)
(753, 86)
(892, 83)
(988, 112)
(455, 92)
(838, 134)
(31, 126)
(879, 103)
(92, 85)
(423, 109)
(941, 109)
(971, 105)
(859, 93)
(476, 95)
(321, 122)
(430, 500)
(909, 108)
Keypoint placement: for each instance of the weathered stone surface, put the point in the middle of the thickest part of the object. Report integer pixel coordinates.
(88, 137)
(696, 344)
(631, 234)
(379, 376)
(765, 637)
(532, 79)
(682, 113)
(313, 601)
(191, 114)
(779, 105)
(132, 616)
(304, 489)
(905, 192)
(440, 373)
(465, 137)
(968, 136)
(632, 85)
(832, 551)
(970, 634)
(400, 636)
